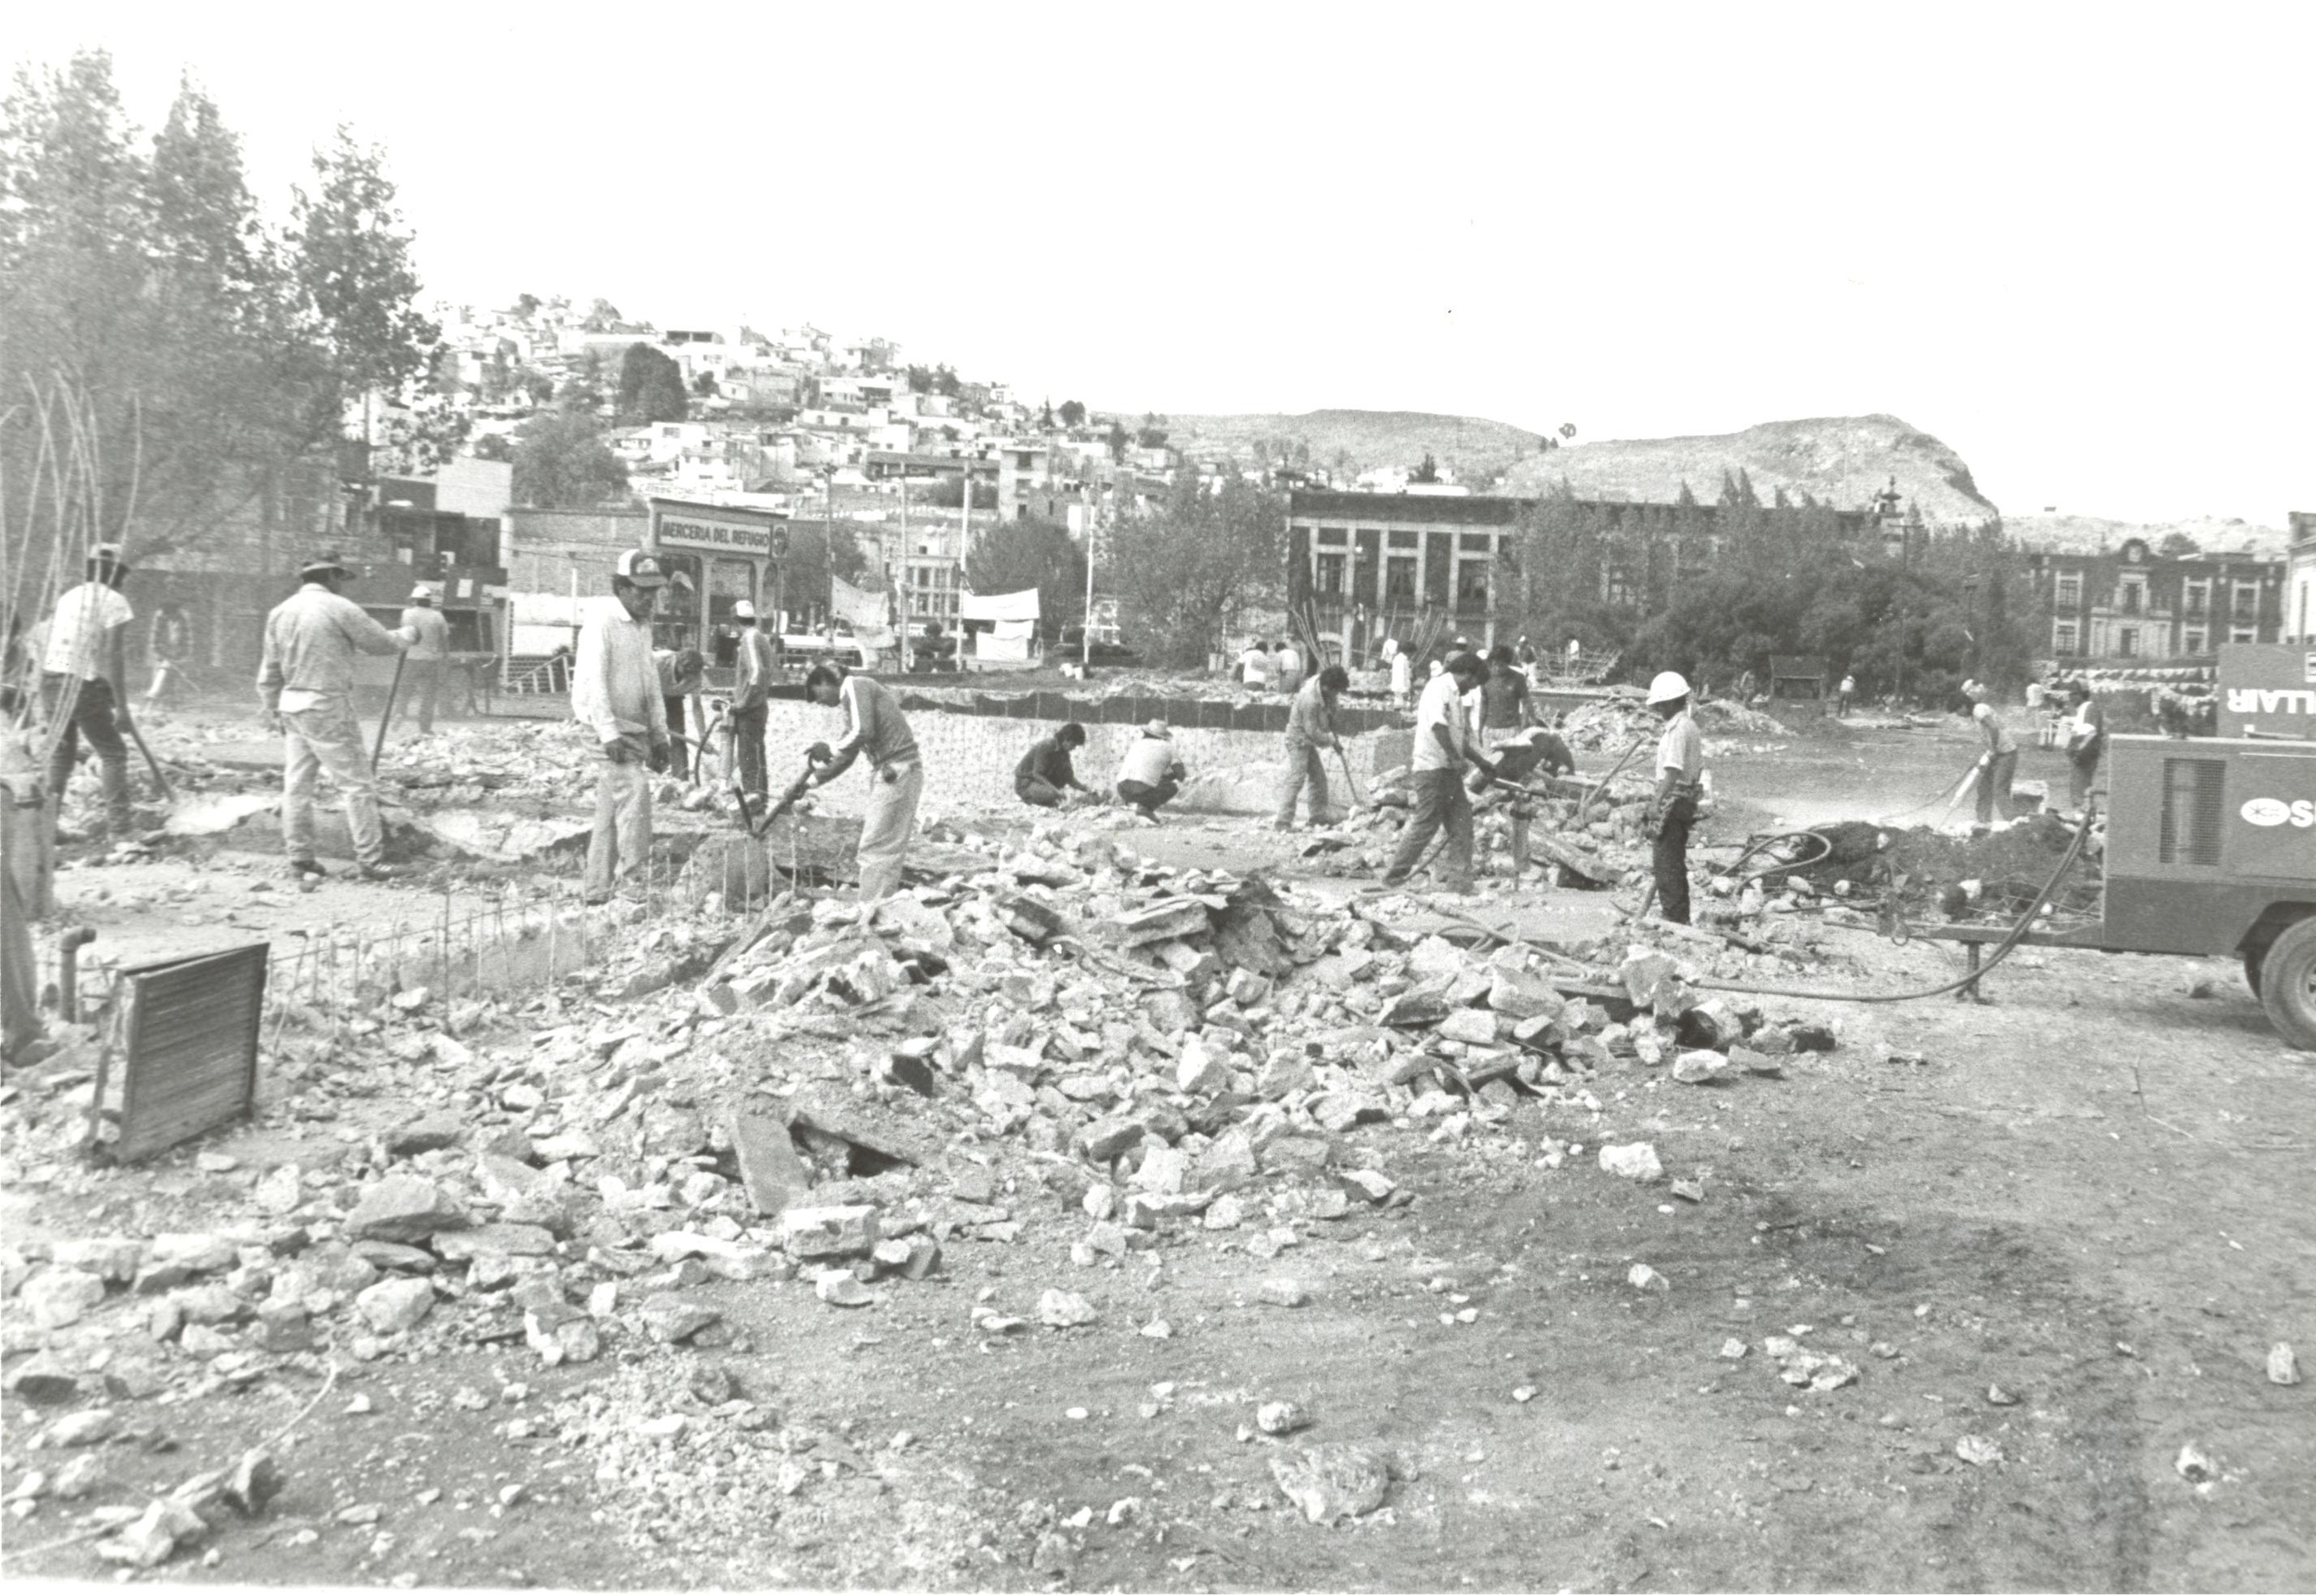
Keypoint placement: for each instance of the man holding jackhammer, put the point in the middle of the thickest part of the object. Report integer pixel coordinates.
(1680, 777)
(874, 726)
(306, 679)
(615, 695)
(1443, 745)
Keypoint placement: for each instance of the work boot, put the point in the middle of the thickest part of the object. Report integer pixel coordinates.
(306, 867)
(382, 872)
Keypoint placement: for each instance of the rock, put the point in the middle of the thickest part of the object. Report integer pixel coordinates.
(1472, 1026)
(843, 1232)
(394, 1305)
(490, 1241)
(1106, 1138)
(402, 1209)
(1203, 1069)
(88, 1428)
(774, 1176)
(279, 1193)
(1225, 1213)
(1813, 1039)
(1689, 1190)
(670, 1319)
(862, 1122)
(1712, 1024)
(1282, 1417)
(1298, 1154)
(2194, 1464)
(42, 1381)
(148, 1542)
(1700, 1067)
(78, 1476)
(255, 1481)
(1227, 1163)
(1645, 972)
(1522, 993)
(1064, 1310)
(1282, 1293)
(58, 1297)
(562, 1335)
(426, 1134)
(196, 1252)
(1978, 1451)
(1414, 1008)
(1372, 1185)
(112, 1258)
(1162, 1170)
(841, 1288)
(1635, 1160)
(1329, 1483)
(1642, 1278)
(1764, 1064)
(2283, 1367)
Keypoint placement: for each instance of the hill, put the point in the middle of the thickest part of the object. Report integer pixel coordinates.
(1840, 461)
(1475, 448)
(2091, 534)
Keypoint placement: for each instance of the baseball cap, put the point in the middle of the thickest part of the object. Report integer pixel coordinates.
(641, 568)
(742, 610)
(421, 592)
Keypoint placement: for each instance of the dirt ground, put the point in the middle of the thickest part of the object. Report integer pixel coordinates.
(2068, 1222)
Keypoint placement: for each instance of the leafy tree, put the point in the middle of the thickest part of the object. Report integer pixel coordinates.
(526, 306)
(815, 550)
(359, 287)
(704, 384)
(1072, 414)
(603, 317)
(1046, 416)
(1152, 434)
(1014, 555)
(946, 382)
(1688, 499)
(1427, 471)
(561, 462)
(2177, 546)
(651, 387)
(492, 446)
(1184, 573)
(1117, 440)
(920, 379)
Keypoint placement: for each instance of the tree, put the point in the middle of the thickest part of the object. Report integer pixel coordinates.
(561, 462)
(704, 384)
(1428, 471)
(1186, 572)
(1015, 555)
(492, 446)
(526, 305)
(1117, 440)
(651, 387)
(2177, 546)
(1072, 414)
(358, 285)
(1152, 434)
(603, 317)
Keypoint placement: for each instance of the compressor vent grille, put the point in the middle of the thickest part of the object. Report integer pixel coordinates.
(2192, 809)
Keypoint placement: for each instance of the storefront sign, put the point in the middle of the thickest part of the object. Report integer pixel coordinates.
(727, 537)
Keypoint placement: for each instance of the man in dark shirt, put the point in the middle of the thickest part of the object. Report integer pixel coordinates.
(1045, 777)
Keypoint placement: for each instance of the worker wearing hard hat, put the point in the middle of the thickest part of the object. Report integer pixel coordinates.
(427, 658)
(1681, 778)
(615, 695)
(750, 696)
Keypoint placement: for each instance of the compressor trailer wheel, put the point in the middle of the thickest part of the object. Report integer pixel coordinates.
(2284, 977)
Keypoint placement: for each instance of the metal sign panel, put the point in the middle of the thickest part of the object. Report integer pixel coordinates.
(191, 1059)
(2268, 689)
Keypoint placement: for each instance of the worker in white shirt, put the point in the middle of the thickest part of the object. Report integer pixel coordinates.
(85, 666)
(1254, 666)
(306, 679)
(1680, 780)
(428, 657)
(615, 695)
(1288, 675)
(1403, 672)
(751, 697)
(1999, 765)
(1444, 743)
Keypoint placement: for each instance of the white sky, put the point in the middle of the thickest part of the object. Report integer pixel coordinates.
(2074, 242)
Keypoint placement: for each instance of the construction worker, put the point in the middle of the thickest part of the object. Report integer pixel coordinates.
(1999, 763)
(1403, 671)
(615, 694)
(750, 697)
(84, 664)
(1045, 777)
(1681, 778)
(421, 675)
(1506, 706)
(2086, 742)
(1150, 776)
(1288, 677)
(306, 679)
(874, 726)
(1843, 694)
(1311, 727)
(681, 673)
(1443, 745)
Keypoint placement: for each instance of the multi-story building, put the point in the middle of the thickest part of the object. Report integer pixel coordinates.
(1371, 564)
(2300, 579)
(2135, 603)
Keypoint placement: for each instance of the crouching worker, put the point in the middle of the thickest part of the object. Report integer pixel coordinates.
(1311, 727)
(615, 694)
(874, 726)
(1150, 776)
(1529, 751)
(1046, 778)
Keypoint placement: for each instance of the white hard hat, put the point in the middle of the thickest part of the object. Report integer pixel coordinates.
(421, 592)
(744, 611)
(1668, 686)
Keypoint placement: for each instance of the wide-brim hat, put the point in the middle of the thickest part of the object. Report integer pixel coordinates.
(323, 565)
(1156, 729)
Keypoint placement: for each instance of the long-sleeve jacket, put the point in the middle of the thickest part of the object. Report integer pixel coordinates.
(755, 662)
(1049, 761)
(311, 639)
(1311, 720)
(433, 629)
(873, 725)
(614, 685)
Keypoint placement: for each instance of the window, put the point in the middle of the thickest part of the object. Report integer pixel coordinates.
(1477, 543)
(2194, 641)
(2071, 590)
(2062, 637)
(2199, 600)
(1406, 539)
(1399, 578)
(1331, 574)
(2244, 634)
(2134, 594)
(2126, 640)
(1472, 584)
(1334, 536)
(2247, 601)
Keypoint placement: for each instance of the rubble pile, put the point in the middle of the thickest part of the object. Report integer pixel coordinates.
(1613, 723)
(1065, 1036)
